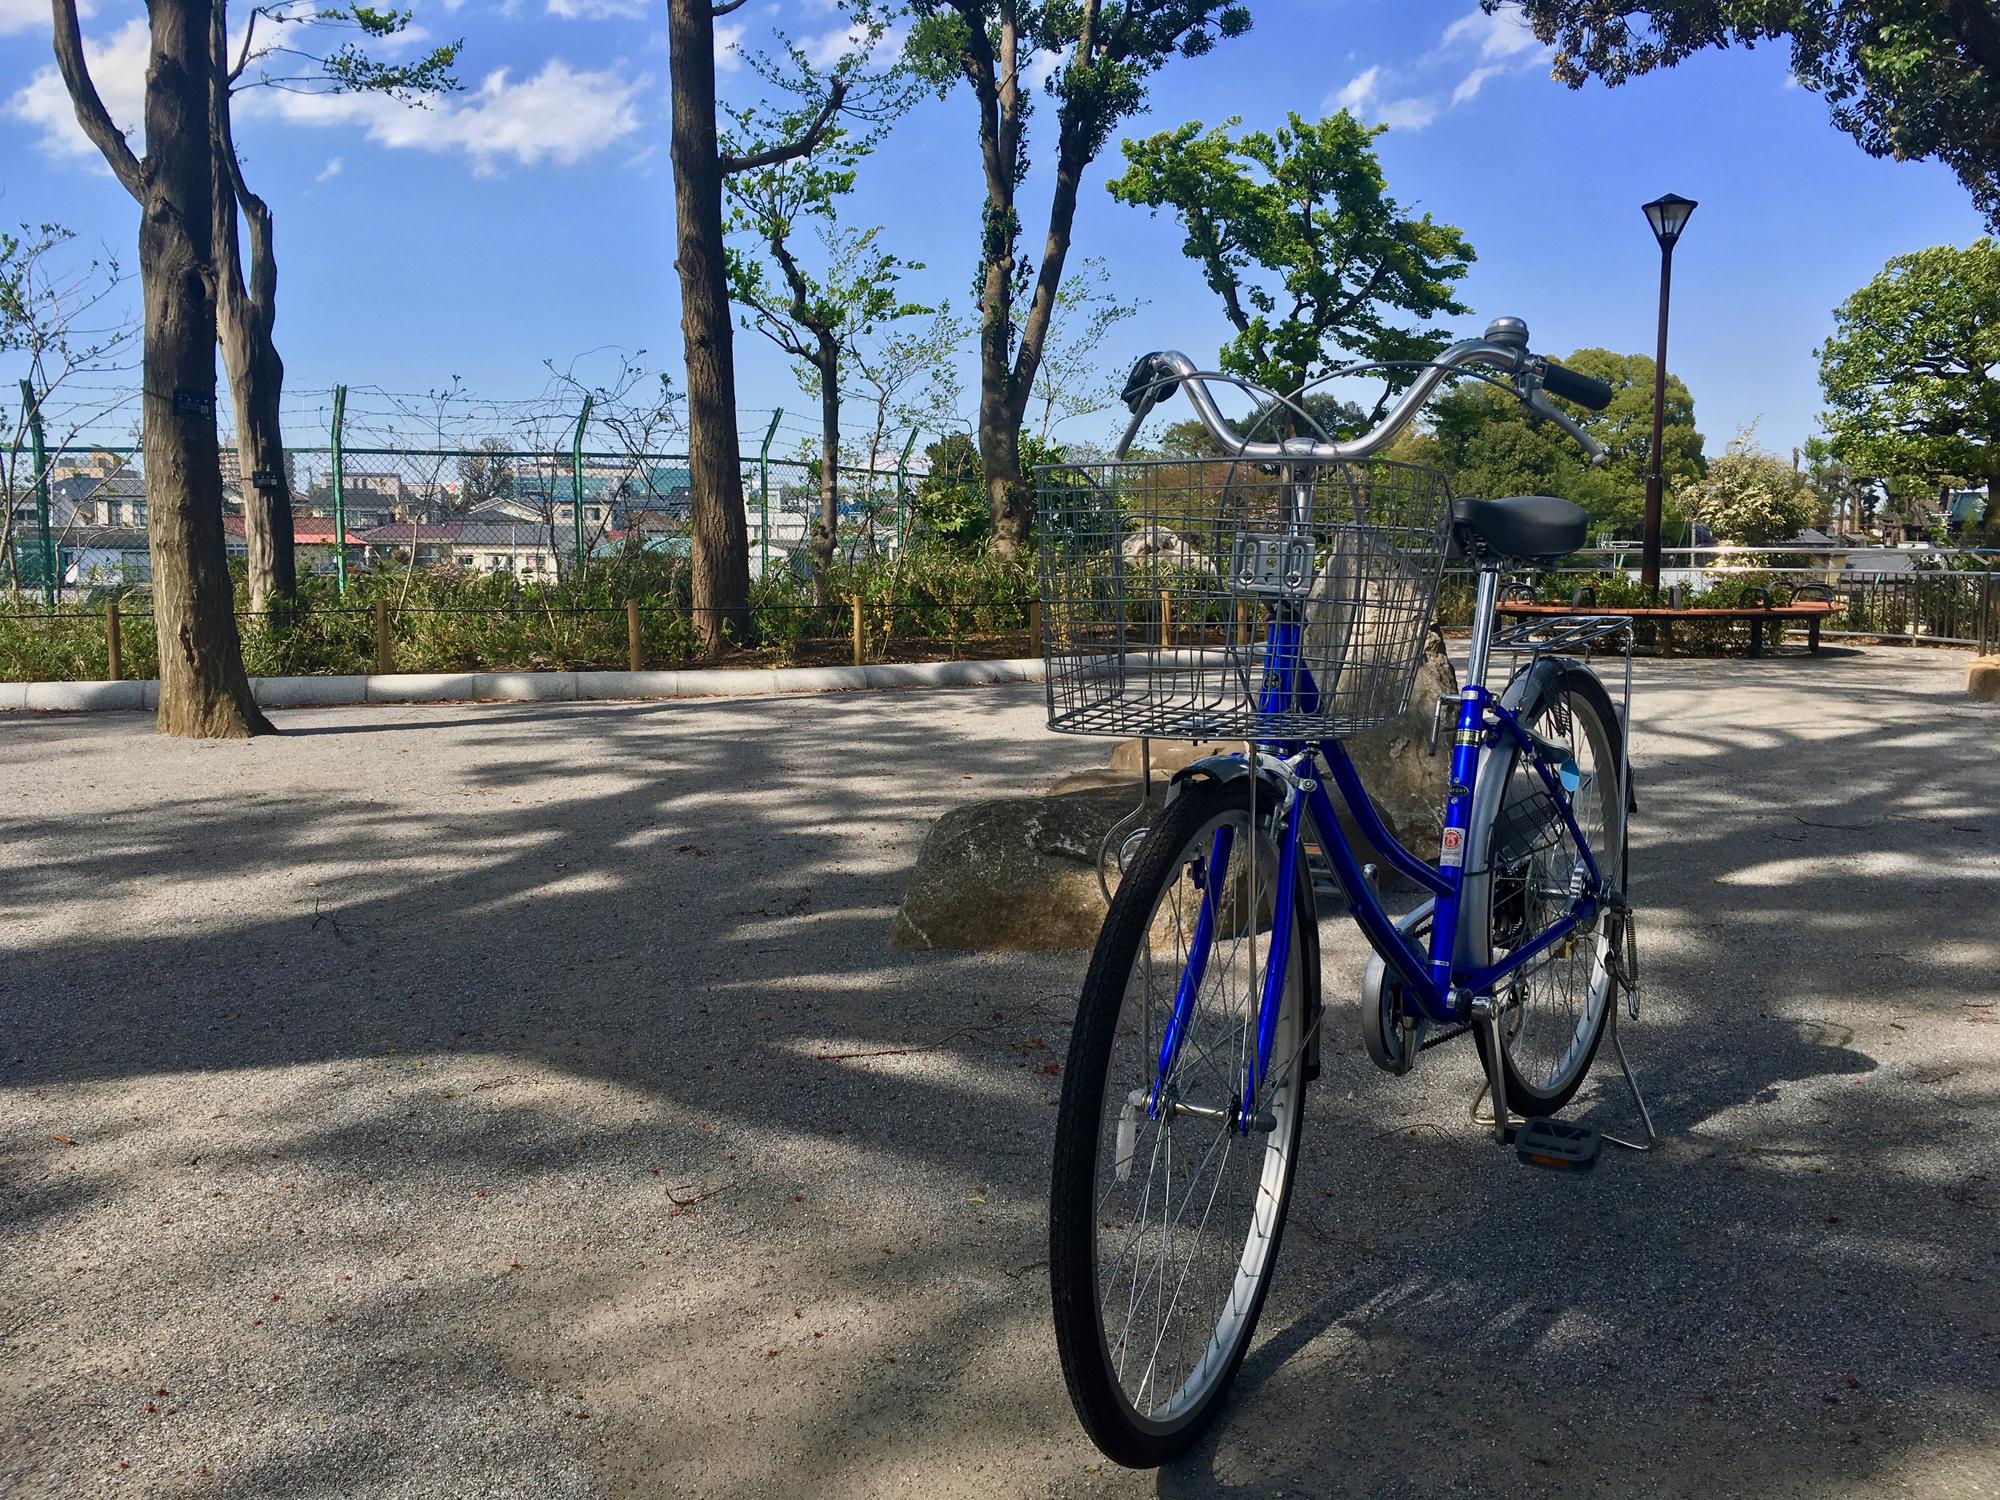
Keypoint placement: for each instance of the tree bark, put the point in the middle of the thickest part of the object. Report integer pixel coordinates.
(204, 692)
(721, 536)
(1006, 370)
(825, 532)
(246, 316)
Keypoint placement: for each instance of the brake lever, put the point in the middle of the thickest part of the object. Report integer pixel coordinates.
(1538, 403)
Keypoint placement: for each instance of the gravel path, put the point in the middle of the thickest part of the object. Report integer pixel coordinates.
(522, 1101)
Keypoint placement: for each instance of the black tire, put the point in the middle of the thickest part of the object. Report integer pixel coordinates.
(1087, 1164)
(1532, 1088)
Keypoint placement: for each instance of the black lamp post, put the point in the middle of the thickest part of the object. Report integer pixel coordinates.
(1668, 216)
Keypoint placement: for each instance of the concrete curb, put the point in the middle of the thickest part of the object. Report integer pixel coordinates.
(533, 687)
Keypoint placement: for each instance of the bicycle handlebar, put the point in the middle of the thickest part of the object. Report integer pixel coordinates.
(1504, 347)
(1574, 385)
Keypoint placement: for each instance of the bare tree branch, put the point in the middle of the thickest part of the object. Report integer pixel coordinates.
(806, 143)
(90, 111)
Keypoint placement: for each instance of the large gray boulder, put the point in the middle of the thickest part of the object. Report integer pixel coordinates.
(1021, 872)
(1015, 872)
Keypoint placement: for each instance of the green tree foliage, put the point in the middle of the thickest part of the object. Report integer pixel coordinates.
(1295, 231)
(1911, 79)
(1752, 497)
(1911, 373)
(950, 503)
(817, 314)
(1489, 445)
(1846, 494)
(950, 506)
(1189, 439)
(1108, 50)
(1069, 382)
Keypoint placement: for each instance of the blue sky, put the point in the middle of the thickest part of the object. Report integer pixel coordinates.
(531, 219)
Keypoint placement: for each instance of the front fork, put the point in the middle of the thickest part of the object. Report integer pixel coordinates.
(1216, 882)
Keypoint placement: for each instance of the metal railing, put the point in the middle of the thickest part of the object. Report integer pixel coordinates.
(65, 510)
(1945, 596)
(115, 640)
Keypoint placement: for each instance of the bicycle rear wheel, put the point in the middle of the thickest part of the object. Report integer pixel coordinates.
(1552, 1011)
(1165, 1221)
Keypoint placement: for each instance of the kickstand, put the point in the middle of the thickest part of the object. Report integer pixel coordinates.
(1632, 1083)
(1489, 1118)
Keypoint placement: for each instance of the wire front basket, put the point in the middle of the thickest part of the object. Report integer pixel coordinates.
(1181, 596)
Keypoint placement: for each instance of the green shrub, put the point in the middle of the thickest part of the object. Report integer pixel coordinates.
(928, 600)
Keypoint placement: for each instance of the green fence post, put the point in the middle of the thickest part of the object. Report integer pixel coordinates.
(764, 495)
(576, 481)
(902, 482)
(32, 405)
(339, 495)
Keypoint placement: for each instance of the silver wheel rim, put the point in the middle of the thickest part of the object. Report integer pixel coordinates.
(1551, 1011)
(1182, 1243)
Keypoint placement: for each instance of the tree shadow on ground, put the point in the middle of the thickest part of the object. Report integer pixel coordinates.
(536, 968)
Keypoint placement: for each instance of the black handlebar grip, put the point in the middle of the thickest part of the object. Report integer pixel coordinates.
(1584, 390)
(1142, 386)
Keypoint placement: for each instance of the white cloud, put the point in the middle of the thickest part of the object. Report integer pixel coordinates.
(331, 170)
(1040, 66)
(829, 47)
(1362, 98)
(1406, 114)
(1469, 86)
(597, 10)
(1360, 89)
(560, 114)
(401, 43)
(34, 15)
(117, 66)
(1500, 35)
(728, 47)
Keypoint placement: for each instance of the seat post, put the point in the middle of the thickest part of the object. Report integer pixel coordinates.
(1484, 605)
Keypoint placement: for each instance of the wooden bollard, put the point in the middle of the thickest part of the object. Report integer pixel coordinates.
(1166, 618)
(855, 602)
(635, 656)
(114, 654)
(384, 655)
(1242, 622)
(1035, 623)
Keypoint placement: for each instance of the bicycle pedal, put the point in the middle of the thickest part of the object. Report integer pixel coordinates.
(1557, 1144)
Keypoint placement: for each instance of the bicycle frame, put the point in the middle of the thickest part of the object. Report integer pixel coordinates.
(1439, 986)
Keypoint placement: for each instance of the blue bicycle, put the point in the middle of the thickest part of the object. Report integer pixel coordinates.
(1281, 596)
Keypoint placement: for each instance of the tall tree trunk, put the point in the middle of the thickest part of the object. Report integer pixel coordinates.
(826, 531)
(204, 692)
(721, 535)
(256, 380)
(246, 316)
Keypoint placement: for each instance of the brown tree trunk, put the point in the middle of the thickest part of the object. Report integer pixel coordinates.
(246, 316)
(203, 690)
(256, 380)
(1005, 384)
(721, 535)
(203, 685)
(827, 530)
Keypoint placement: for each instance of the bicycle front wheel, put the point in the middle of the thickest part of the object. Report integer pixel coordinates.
(1552, 1011)
(1165, 1211)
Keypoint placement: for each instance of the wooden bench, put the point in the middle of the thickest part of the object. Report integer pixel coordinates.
(1811, 603)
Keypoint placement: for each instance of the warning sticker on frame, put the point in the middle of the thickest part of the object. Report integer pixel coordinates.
(1451, 849)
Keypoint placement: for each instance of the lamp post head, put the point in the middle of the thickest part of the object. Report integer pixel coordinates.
(1669, 216)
